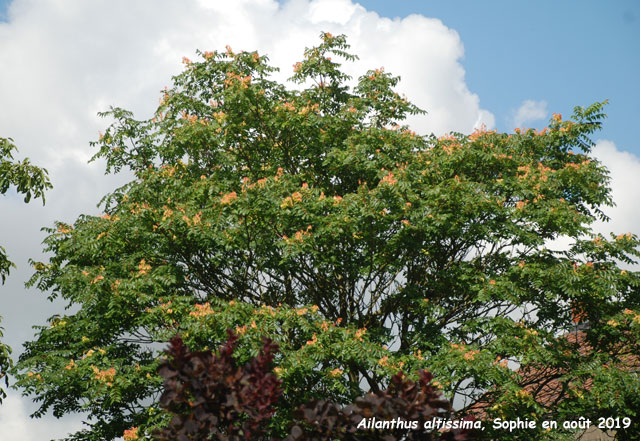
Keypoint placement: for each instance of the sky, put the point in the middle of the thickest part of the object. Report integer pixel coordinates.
(562, 53)
(504, 64)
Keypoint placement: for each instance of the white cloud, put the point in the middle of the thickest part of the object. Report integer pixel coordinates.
(331, 11)
(15, 423)
(624, 168)
(12, 418)
(530, 111)
(624, 171)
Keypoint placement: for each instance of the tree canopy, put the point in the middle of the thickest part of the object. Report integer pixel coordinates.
(31, 181)
(314, 217)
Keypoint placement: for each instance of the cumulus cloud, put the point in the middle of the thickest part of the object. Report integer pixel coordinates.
(14, 417)
(67, 61)
(624, 168)
(624, 217)
(15, 423)
(529, 111)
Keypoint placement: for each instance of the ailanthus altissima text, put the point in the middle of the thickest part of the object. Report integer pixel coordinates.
(434, 423)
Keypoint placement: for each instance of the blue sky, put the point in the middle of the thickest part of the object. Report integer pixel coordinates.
(566, 53)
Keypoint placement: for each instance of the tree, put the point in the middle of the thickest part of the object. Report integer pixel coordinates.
(30, 181)
(314, 218)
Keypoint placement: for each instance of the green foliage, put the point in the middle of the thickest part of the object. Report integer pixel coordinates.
(27, 179)
(314, 218)
(30, 181)
(5, 364)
